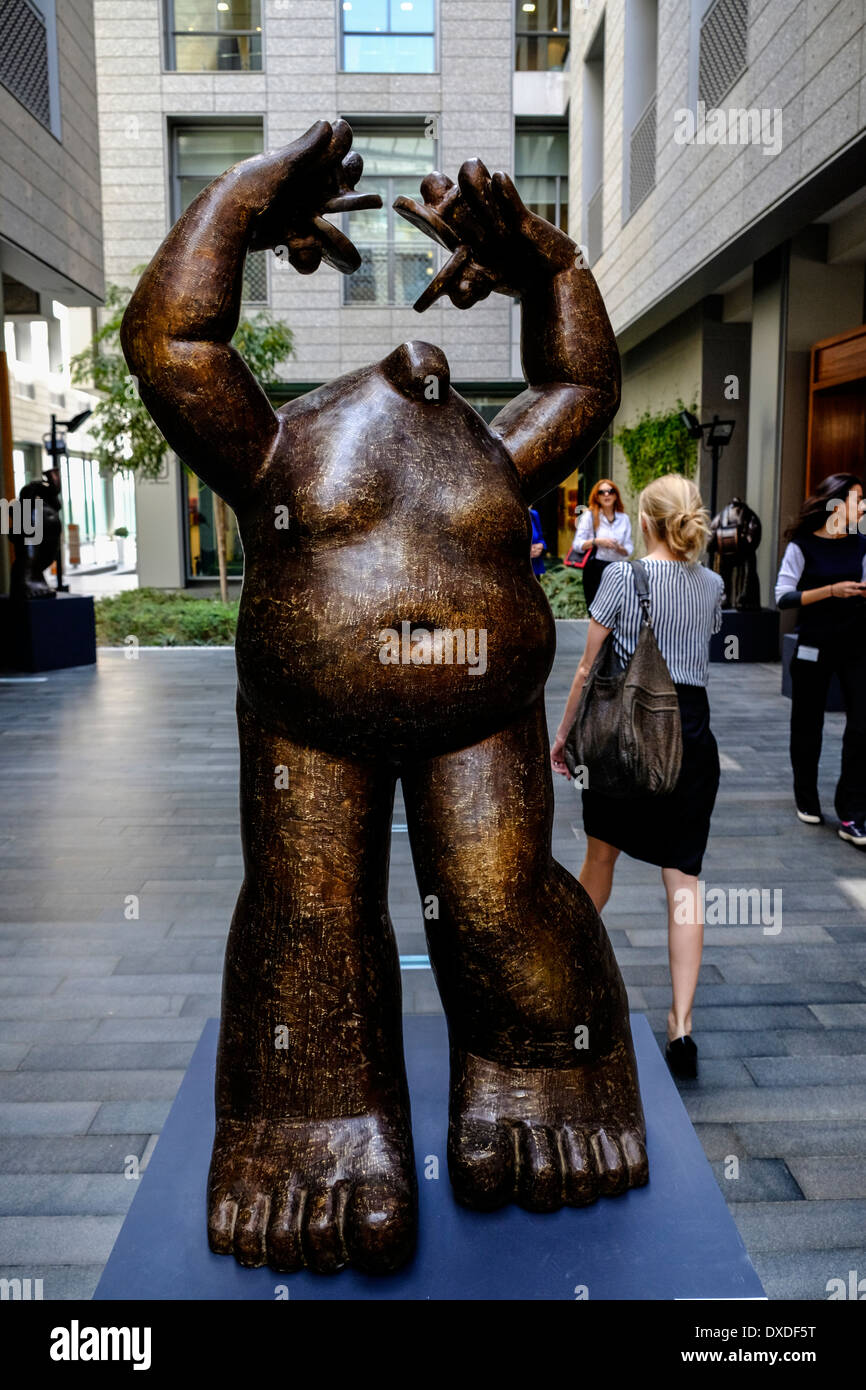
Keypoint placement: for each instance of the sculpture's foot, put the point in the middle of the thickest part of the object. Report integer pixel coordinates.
(544, 1137)
(320, 1194)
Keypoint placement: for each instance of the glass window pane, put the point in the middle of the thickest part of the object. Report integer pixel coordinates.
(205, 151)
(207, 15)
(393, 152)
(365, 16)
(213, 53)
(535, 15)
(413, 271)
(371, 224)
(416, 16)
(541, 152)
(369, 284)
(388, 53)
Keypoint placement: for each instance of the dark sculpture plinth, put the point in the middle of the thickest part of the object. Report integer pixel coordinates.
(47, 636)
(407, 546)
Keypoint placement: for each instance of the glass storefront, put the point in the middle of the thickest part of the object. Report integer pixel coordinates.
(201, 534)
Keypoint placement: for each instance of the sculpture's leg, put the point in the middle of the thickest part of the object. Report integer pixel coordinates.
(312, 1162)
(545, 1107)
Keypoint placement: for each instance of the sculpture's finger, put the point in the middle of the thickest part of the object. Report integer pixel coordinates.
(428, 221)
(352, 202)
(475, 284)
(442, 283)
(353, 167)
(435, 187)
(309, 148)
(341, 141)
(305, 254)
(476, 187)
(335, 247)
(511, 205)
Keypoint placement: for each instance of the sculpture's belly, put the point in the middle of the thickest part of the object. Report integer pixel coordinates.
(375, 649)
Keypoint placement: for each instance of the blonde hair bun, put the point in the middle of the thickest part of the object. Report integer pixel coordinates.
(673, 510)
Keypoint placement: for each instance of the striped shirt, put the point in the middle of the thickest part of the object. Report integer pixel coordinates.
(685, 608)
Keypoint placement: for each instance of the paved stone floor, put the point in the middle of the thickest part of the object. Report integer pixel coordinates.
(123, 781)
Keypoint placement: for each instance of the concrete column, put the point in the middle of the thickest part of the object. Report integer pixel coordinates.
(766, 404)
(159, 518)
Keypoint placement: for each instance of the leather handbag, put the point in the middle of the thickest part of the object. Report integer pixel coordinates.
(577, 559)
(628, 732)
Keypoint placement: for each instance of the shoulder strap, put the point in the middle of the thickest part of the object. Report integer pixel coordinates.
(641, 584)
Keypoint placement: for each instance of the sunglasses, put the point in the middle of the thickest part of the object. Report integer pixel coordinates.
(606, 492)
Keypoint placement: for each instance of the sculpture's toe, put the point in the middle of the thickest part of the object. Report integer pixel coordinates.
(539, 1173)
(250, 1231)
(285, 1250)
(635, 1155)
(579, 1183)
(380, 1227)
(609, 1163)
(222, 1215)
(322, 1229)
(481, 1163)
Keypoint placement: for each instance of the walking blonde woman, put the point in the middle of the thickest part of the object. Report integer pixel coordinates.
(671, 831)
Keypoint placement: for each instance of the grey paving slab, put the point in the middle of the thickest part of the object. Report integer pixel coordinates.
(755, 1179)
(836, 1104)
(141, 1084)
(130, 1117)
(108, 1056)
(66, 1194)
(35, 1240)
(807, 1071)
(772, 1227)
(809, 1274)
(828, 1177)
(66, 1282)
(796, 1140)
(46, 1117)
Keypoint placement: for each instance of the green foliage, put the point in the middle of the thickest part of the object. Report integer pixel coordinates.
(656, 445)
(564, 589)
(159, 618)
(124, 434)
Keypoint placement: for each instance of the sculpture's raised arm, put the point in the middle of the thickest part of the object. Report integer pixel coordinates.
(570, 357)
(178, 327)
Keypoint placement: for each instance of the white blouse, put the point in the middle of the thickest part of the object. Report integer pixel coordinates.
(617, 530)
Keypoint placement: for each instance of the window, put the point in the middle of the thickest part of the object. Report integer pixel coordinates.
(541, 171)
(723, 48)
(389, 35)
(201, 537)
(542, 35)
(592, 181)
(199, 154)
(397, 263)
(214, 35)
(25, 56)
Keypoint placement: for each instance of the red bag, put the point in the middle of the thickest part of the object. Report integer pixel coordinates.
(576, 559)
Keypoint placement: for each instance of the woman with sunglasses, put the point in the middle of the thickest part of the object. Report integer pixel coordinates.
(604, 524)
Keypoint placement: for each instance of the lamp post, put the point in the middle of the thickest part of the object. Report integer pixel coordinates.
(718, 435)
(55, 445)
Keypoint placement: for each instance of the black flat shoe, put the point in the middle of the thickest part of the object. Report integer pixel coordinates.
(681, 1056)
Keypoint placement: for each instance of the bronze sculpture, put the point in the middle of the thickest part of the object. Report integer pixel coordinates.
(408, 521)
(734, 540)
(36, 537)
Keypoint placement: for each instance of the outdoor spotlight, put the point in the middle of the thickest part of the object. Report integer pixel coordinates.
(691, 423)
(720, 431)
(77, 421)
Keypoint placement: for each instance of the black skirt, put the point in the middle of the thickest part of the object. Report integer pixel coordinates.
(670, 831)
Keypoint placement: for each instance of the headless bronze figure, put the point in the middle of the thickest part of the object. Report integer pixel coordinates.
(405, 507)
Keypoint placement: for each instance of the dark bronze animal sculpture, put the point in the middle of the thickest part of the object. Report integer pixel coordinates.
(37, 537)
(407, 547)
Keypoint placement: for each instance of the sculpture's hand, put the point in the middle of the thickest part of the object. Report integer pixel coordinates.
(496, 242)
(289, 189)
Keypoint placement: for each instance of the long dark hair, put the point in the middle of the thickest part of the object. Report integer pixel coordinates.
(814, 511)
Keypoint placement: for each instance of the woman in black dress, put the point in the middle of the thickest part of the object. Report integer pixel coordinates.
(822, 575)
(671, 831)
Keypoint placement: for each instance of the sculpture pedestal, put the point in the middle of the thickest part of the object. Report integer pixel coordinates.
(756, 631)
(47, 634)
(672, 1239)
